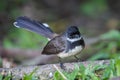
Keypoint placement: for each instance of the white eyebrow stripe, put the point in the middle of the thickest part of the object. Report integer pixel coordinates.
(73, 40)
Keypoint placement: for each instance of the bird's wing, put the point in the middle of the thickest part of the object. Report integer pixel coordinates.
(35, 26)
(55, 46)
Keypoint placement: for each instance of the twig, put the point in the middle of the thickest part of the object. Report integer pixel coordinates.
(60, 72)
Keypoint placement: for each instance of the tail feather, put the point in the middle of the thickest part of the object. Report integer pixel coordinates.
(26, 23)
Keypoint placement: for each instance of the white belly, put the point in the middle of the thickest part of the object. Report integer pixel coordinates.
(72, 52)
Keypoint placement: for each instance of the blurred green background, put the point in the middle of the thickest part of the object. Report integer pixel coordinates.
(96, 19)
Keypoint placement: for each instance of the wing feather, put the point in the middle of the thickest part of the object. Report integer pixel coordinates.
(55, 46)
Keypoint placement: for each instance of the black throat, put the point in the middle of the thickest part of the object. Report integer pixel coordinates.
(72, 45)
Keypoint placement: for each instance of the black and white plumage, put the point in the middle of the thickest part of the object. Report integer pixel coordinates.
(69, 43)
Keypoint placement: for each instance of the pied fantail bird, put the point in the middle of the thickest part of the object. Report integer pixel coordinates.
(69, 43)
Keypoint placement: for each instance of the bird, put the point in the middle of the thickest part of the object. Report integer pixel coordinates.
(69, 43)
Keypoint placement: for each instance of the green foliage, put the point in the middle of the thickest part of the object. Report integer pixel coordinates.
(24, 39)
(93, 72)
(108, 46)
(17, 37)
(0, 61)
(25, 77)
(31, 75)
(3, 4)
(11, 7)
(70, 76)
(14, 13)
(99, 55)
(109, 71)
(113, 34)
(73, 74)
(7, 77)
(1, 77)
(117, 65)
(57, 76)
(93, 8)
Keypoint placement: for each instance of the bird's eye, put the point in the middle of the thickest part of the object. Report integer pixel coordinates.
(77, 36)
(74, 35)
(70, 36)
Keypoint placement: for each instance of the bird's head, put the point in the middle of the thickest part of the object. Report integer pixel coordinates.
(73, 34)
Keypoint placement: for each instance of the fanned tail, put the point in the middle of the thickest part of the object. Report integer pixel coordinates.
(35, 26)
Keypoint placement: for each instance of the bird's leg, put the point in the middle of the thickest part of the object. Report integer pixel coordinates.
(61, 64)
(78, 59)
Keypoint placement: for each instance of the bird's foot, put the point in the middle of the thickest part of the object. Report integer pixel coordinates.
(62, 66)
(77, 59)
